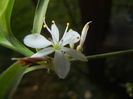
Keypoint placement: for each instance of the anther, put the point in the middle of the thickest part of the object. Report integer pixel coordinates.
(50, 38)
(44, 25)
(53, 21)
(68, 23)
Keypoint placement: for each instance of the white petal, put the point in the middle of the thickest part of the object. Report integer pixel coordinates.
(83, 36)
(70, 37)
(36, 41)
(43, 52)
(77, 55)
(84, 31)
(55, 33)
(61, 64)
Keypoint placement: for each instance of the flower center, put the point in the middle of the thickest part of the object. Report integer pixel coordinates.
(56, 47)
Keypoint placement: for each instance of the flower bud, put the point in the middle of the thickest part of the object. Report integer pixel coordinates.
(83, 36)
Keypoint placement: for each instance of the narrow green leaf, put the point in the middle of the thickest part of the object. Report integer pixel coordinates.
(33, 68)
(3, 23)
(7, 45)
(4, 42)
(5, 14)
(10, 79)
(40, 15)
(6, 7)
(20, 47)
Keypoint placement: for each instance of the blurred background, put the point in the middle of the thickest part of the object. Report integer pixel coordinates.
(111, 30)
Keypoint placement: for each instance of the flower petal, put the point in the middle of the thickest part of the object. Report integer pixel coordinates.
(83, 36)
(61, 64)
(70, 37)
(43, 52)
(77, 55)
(36, 41)
(55, 33)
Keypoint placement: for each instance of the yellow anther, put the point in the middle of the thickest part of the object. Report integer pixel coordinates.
(68, 23)
(44, 25)
(49, 38)
(53, 21)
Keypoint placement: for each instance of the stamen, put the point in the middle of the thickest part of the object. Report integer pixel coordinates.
(50, 29)
(68, 23)
(50, 38)
(45, 26)
(65, 32)
(66, 28)
(71, 45)
(53, 21)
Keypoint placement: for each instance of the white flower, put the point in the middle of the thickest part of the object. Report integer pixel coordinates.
(61, 62)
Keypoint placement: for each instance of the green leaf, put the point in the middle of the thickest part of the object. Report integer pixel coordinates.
(10, 79)
(6, 7)
(40, 15)
(4, 22)
(33, 68)
(5, 14)
(4, 42)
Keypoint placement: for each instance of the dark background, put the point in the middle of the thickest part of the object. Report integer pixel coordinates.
(111, 30)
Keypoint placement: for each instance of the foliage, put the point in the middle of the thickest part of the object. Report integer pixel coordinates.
(16, 71)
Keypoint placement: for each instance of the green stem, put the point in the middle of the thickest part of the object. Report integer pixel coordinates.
(40, 15)
(104, 55)
(29, 69)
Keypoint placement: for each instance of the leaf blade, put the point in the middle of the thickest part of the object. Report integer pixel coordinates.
(10, 79)
(5, 29)
(40, 15)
